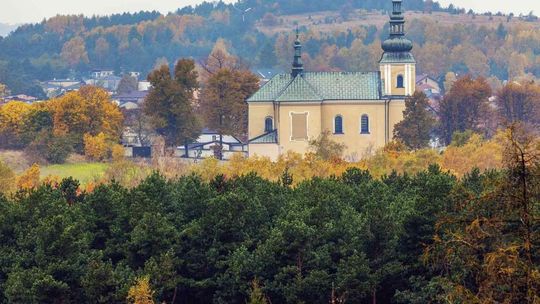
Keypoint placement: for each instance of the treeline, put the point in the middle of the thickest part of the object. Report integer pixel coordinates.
(422, 238)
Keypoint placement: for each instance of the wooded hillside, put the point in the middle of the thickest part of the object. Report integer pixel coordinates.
(338, 35)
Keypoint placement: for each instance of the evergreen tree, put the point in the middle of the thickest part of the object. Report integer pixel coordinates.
(416, 127)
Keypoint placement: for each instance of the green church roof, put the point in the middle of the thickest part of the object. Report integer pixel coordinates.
(266, 138)
(320, 86)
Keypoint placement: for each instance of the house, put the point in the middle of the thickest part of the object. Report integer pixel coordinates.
(144, 85)
(205, 146)
(427, 84)
(432, 89)
(135, 75)
(265, 74)
(97, 74)
(58, 87)
(359, 109)
(130, 101)
(21, 97)
(109, 82)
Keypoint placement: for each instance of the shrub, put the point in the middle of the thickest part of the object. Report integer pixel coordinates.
(51, 148)
(117, 152)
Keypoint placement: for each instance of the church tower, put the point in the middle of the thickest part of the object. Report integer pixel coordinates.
(397, 65)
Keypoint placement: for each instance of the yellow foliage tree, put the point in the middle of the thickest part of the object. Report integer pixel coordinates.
(117, 153)
(141, 292)
(7, 178)
(96, 147)
(476, 152)
(86, 111)
(29, 179)
(13, 116)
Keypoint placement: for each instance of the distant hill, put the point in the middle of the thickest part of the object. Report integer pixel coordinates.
(5, 29)
(337, 35)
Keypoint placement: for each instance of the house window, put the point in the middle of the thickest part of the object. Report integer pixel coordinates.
(400, 81)
(214, 137)
(364, 124)
(268, 124)
(338, 125)
(299, 126)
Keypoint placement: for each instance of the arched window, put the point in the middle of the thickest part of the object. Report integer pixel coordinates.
(338, 125)
(400, 81)
(268, 124)
(364, 124)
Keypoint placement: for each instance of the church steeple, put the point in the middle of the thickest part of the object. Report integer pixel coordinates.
(397, 64)
(396, 42)
(298, 65)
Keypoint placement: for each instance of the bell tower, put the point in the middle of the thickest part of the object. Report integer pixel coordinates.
(397, 65)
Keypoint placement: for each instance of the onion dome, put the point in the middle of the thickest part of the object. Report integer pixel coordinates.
(396, 42)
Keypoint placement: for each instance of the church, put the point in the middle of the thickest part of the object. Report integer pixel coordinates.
(359, 109)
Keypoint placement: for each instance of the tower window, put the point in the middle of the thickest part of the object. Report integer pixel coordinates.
(400, 81)
(268, 124)
(338, 125)
(364, 124)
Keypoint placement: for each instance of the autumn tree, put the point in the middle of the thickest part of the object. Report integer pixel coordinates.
(325, 148)
(223, 97)
(3, 90)
(256, 296)
(449, 80)
(74, 52)
(29, 179)
(89, 110)
(218, 59)
(127, 84)
(416, 127)
(169, 104)
(464, 107)
(96, 147)
(141, 292)
(487, 243)
(518, 102)
(13, 121)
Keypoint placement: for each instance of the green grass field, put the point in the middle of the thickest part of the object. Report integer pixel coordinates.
(84, 172)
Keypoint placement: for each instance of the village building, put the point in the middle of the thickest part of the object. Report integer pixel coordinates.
(359, 109)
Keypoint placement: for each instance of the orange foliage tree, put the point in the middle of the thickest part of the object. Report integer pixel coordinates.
(29, 179)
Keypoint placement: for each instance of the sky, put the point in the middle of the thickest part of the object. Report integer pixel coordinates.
(23, 11)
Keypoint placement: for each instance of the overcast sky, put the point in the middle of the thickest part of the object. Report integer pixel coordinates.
(20, 11)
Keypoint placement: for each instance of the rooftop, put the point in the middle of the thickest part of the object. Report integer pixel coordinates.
(320, 86)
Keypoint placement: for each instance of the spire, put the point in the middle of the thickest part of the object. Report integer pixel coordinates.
(297, 66)
(397, 21)
(396, 42)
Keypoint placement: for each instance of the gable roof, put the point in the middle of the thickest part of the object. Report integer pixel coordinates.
(320, 86)
(299, 90)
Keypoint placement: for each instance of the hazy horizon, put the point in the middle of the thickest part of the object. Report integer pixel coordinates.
(30, 11)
